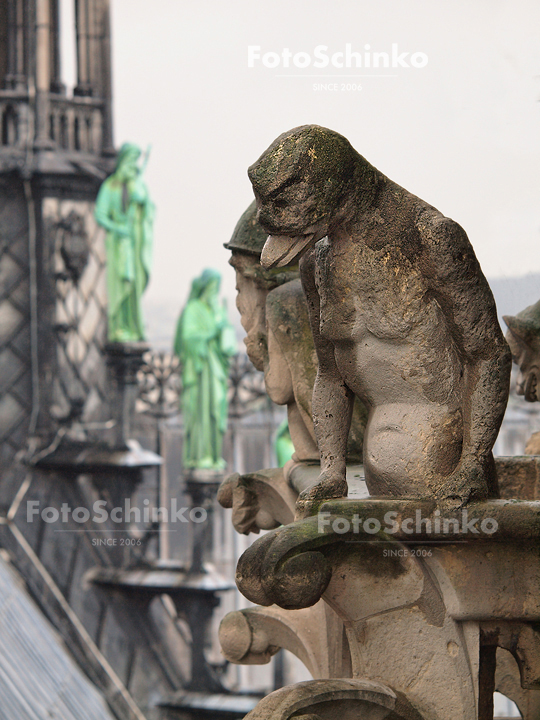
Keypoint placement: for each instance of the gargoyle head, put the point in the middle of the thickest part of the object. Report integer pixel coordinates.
(253, 282)
(301, 183)
(523, 336)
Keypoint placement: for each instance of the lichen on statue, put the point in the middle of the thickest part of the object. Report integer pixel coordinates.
(402, 317)
(274, 314)
(204, 343)
(124, 209)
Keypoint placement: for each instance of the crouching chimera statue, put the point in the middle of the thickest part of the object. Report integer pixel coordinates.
(425, 619)
(401, 315)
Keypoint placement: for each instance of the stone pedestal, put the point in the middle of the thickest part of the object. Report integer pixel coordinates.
(202, 487)
(124, 361)
(194, 592)
(116, 466)
(399, 611)
(195, 597)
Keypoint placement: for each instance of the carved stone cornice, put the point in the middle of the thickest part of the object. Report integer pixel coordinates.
(426, 600)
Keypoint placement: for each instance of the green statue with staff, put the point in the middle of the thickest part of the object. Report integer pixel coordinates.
(205, 342)
(124, 209)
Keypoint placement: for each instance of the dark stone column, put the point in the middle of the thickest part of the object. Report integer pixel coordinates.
(84, 86)
(94, 47)
(202, 487)
(56, 85)
(106, 79)
(16, 66)
(124, 361)
(3, 41)
(94, 61)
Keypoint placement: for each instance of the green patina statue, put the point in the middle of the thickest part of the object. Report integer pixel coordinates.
(124, 209)
(284, 445)
(204, 343)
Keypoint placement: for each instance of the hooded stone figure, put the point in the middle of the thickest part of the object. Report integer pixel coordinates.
(124, 209)
(402, 317)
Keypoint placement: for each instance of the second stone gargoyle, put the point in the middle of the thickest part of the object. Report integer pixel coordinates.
(274, 314)
(523, 337)
(401, 315)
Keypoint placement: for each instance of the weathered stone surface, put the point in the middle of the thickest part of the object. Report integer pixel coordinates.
(333, 700)
(508, 682)
(274, 314)
(532, 446)
(430, 589)
(519, 477)
(260, 501)
(315, 635)
(413, 588)
(523, 336)
(402, 317)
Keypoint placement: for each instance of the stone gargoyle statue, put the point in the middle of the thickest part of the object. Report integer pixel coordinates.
(523, 336)
(402, 318)
(405, 622)
(279, 342)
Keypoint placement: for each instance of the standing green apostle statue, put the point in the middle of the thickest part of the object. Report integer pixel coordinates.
(205, 342)
(124, 209)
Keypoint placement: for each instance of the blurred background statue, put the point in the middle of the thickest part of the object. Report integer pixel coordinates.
(205, 342)
(284, 445)
(124, 209)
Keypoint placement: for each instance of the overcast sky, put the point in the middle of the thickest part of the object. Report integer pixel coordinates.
(461, 130)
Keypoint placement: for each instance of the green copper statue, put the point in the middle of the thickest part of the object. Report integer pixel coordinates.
(204, 343)
(124, 209)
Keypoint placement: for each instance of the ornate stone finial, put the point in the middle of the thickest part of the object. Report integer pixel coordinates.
(402, 317)
(124, 209)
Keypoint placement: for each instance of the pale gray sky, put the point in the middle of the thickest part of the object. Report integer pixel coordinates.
(462, 132)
